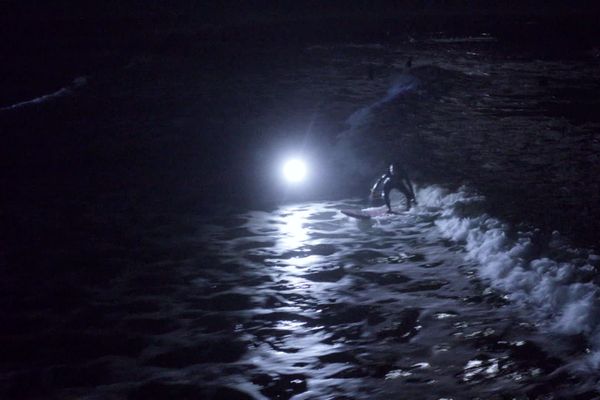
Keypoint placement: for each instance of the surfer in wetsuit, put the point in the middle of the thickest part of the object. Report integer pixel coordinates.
(395, 178)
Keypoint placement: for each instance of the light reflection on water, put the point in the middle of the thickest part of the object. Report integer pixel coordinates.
(293, 232)
(368, 311)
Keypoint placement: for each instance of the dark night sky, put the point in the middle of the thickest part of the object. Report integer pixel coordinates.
(235, 11)
(25, 22)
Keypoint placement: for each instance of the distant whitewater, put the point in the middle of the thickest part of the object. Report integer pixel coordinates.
(65, 91)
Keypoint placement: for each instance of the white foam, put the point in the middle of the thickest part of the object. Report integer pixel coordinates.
(370, 46)
(557, 294)
(466, 39)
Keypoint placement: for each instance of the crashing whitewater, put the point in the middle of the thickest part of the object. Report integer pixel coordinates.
(553, 282)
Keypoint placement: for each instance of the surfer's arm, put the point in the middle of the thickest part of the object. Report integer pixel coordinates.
(376, 185)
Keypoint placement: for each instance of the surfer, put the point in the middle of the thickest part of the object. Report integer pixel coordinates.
(395, 178)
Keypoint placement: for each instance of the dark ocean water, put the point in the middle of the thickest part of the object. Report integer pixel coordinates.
(151, 250)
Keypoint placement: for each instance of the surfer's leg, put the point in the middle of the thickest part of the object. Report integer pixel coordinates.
(386, 196)
(404, 190)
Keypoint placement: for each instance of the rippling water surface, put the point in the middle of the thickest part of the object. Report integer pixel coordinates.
(117, 287)
(329, 306)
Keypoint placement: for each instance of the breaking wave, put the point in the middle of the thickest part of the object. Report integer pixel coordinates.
(555, 282)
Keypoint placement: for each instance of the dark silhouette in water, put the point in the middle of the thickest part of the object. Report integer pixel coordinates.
(395, 178)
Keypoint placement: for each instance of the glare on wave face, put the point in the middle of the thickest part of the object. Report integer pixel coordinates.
(295, 170)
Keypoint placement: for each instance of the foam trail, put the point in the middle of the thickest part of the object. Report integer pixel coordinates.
(77, 82)
(556, 288)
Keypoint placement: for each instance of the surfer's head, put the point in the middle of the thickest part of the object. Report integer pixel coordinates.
(394, 168)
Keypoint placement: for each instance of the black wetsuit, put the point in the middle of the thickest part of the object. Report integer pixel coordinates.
(397, 180)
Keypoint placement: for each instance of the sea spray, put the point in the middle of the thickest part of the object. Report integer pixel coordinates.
(357, 148)
(402, 84)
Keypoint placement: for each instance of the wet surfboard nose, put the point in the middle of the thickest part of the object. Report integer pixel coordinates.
(366, 213)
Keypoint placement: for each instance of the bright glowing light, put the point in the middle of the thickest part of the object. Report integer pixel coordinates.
(294, 170)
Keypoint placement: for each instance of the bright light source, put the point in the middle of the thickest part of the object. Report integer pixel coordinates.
(294, 170)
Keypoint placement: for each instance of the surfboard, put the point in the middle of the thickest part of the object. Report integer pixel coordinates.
(366, 213)
(358, 214)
